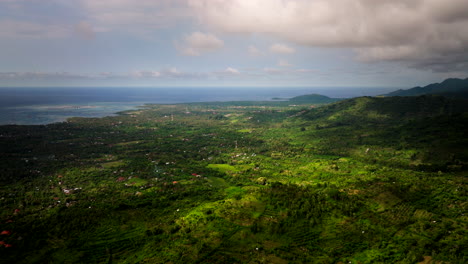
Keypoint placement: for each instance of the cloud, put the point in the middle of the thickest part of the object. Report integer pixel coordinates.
(48, 19)
(23, 29)
(284, 63)
(274, 71)
(425, 34)
(137, 74)
(230, 70)
(289, 71)
(281, 49)
(307, 71)
(145, 74)
(169, 73)
(197, 43)
(84, 30)
(140, 16)
(253, 51)
(41, 75)
(151, 75)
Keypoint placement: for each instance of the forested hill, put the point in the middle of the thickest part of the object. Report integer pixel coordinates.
(429, 124)
(313, 98)
(385, 109)
(450, 87)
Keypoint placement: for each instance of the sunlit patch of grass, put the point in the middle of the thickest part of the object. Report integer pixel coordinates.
(217, 182)
(129, 143)
(112, 164)
(224, 168)
(234, 192)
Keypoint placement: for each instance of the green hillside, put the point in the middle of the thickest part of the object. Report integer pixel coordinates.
(363, 180)
(383, 109)
(313, 99)
(434, 124)
(451, 88)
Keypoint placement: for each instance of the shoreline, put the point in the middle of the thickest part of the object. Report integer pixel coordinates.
(48, 114)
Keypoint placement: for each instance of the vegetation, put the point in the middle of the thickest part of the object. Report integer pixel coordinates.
(453, 87)
(364, 180)
(313, 98)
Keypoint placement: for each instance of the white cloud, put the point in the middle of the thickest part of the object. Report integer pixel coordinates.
(307, 71)
(23, 29)
(230, 70)
(284, 63)
(253, 51)
(197, 43)
(281, 49)
(136, 74)
(84, 30)
(173, 70)
(42, 75)
(430, 34)
(283, 72)
(426, 34)
(145, 74)
(273, 70)
(290, 72)
(168, 74)
(140, 16)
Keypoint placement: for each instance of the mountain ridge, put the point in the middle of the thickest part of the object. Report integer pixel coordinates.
(452, 87)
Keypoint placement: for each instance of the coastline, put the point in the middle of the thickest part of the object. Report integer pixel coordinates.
(49, 114)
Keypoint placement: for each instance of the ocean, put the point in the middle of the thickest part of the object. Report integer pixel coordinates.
(39, 105)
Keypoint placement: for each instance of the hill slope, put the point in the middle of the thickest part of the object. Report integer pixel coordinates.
(433, 126)
(374, 109)
(313, 98)
(450, 87)
(364, 180)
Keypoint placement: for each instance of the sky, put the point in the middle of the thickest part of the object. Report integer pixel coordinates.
(232, 43)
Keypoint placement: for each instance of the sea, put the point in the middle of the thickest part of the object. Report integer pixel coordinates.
(46, 105)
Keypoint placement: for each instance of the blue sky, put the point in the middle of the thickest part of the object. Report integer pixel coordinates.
(215, 43)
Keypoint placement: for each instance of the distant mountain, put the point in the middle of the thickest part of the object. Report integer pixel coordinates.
(387, 109)
(313, 98)
(451, 88)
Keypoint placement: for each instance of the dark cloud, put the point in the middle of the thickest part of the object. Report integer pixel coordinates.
(427, 34)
